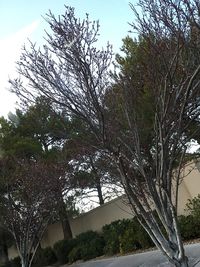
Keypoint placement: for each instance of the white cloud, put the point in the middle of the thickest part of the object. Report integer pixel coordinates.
(10, 49)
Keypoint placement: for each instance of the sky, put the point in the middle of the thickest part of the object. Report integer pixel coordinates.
(22, 20)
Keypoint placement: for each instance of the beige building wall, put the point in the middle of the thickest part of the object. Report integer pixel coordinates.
(117, 209)
(183, 196)
(12, 252)
(95, 219)
(53, 234)
(192, 179)
(190, 185)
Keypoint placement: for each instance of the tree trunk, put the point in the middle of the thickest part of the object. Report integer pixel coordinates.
(4, 249)
(66, 228)
(97, 181)
(182, 262)
(99, 191)
(24, 262)
(64, 220)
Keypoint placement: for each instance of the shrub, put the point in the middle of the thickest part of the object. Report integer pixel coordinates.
(112, 233)
(190, 224)
(44, 257)
(75, 254)
(193, 207)
(16, 262)
(189, 227)
(134, 237)
(124, 236)
(5, 264)
(143, 238)
(63, 248)
(128, 241)
(91, 245)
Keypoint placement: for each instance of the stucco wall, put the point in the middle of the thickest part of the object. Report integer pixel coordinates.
(12, 252)
(190, 185)
(183, 197)
(192, 179)
(105, 214)
(53, 234)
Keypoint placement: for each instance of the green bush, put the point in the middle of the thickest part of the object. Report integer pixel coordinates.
(44, 257)
(143, 238)
(134, 237)
(112, 233)
(125, 236)
(75, 254)
(16, 262)
(193, 207)
(89, 245)
(128, 241)
(63, 248)
(6, 264)
(189, 227)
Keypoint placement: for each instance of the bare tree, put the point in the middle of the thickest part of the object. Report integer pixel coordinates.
(74, 74)
(31, 202)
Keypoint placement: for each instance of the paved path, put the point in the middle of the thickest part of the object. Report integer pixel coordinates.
(146, 259)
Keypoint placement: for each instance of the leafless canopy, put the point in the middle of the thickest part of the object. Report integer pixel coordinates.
(69, 69)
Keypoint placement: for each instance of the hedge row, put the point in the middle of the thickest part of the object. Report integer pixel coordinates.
(121, 236)
(85, 246)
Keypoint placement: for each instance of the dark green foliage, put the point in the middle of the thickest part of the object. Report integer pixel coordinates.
(16, 262)
(63, 248)
(85, 246)
(91, 244)
(75, 254)
(125, 236)
(128, 241)
(112, 233)
(134, 237)
(190, 224)
(6, 239)
(44, 257)
(193, 207)
(189, 227)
